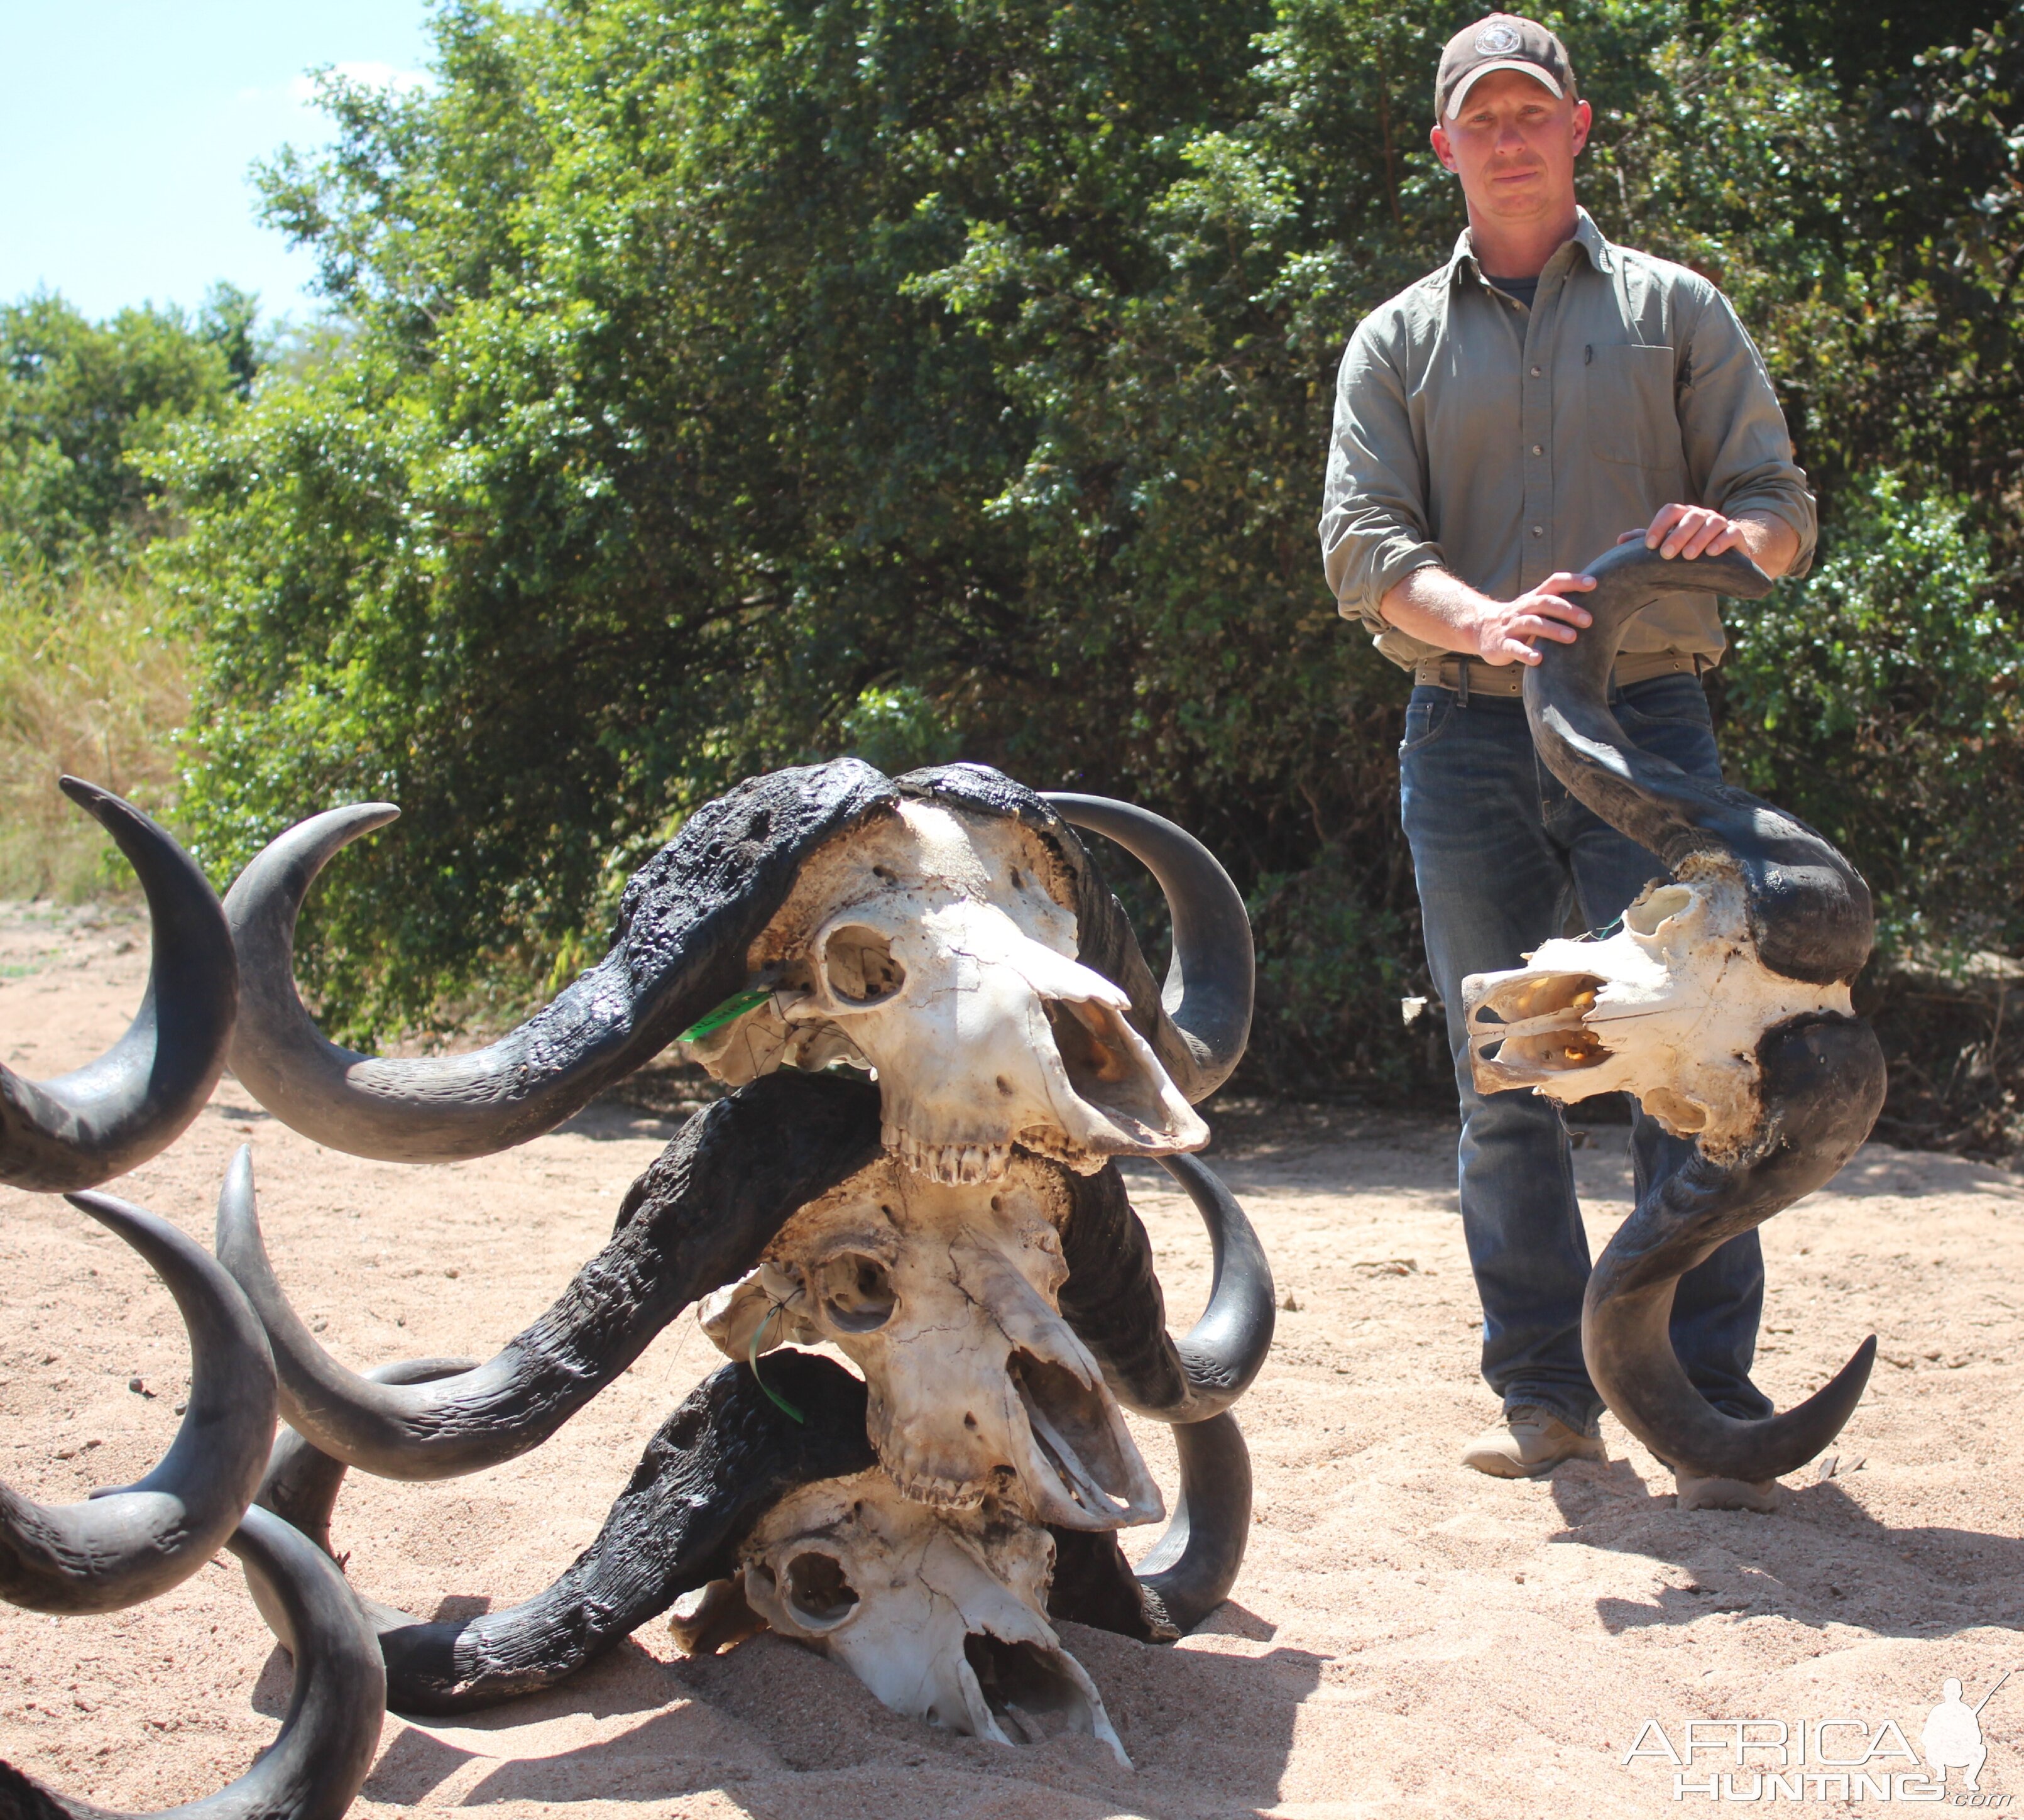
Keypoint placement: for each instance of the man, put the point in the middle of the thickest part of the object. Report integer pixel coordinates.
(1498, 426)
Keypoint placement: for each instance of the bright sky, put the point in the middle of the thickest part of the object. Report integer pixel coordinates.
(127, 128)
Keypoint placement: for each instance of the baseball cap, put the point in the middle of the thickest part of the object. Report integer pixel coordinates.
(1501, 40)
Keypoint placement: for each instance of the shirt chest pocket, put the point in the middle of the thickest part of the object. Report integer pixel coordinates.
(1632, 417)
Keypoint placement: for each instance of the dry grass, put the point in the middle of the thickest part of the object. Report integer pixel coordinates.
(91, 682)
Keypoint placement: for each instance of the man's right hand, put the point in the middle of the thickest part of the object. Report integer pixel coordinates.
(1505, 629)
(1438, 609)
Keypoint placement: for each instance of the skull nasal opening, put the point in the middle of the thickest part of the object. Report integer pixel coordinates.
(820, 1595)
(859, 965)
(1080, 1036)
(1071, 1425)
(1095, 1047)
(1544, 995)
(1536, 1024)
(1028, 1695)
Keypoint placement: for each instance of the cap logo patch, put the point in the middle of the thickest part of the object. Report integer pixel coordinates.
(1497, 40)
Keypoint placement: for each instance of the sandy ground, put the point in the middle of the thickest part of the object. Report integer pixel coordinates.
(1407, 1638)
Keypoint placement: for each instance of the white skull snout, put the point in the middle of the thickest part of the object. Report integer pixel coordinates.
(1671, 1009)
(945, 1298)
(930, 947)
(942, 1615)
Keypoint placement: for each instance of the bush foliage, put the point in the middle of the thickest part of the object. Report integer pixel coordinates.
(82, 403)
(727, 385)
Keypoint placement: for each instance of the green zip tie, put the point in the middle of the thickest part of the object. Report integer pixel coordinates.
(752, 1358)
(729, 1012)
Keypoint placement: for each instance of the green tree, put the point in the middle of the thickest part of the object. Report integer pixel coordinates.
(1879, 698)
(82, 404)
(728, 385)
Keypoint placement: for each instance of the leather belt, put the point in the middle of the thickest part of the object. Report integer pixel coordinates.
(1471, 676)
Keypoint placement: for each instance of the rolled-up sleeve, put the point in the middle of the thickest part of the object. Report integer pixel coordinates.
(1738, 451)
(1373, 526)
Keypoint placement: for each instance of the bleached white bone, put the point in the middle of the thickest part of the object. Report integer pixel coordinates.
(946, 1298)
(937, 947)
(1671, 1009)
(942, 1614)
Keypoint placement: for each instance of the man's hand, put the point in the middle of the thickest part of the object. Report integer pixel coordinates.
(1439, 610)
(1504, 633)
(1689, 531)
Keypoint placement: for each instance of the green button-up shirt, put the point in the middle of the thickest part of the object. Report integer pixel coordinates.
(1503, 443)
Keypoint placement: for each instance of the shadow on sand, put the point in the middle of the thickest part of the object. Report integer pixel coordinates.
(1823, 1559)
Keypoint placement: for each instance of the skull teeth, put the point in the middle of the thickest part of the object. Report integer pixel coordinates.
(943, 1493)
(958, 1165)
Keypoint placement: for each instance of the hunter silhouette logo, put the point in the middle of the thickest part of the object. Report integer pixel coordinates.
(1838, 1759)
(1952, 1736)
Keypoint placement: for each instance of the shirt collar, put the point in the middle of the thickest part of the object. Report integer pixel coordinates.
(1588, 236)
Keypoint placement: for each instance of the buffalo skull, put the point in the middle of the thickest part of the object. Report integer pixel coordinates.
(947, 1298)
(942, 1614)
(936, 947)
(1671, 1009)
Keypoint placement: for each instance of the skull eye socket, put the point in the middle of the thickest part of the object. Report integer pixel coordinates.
(856, 1291)
(1682, 1116)
(1651, 912)
(859, 965)
(817, 1593)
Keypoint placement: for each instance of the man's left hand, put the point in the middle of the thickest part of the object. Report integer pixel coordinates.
(1689, 531)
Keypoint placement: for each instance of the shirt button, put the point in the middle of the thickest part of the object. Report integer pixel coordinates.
(1537, 448)
(1536, 372)
(1538, 530)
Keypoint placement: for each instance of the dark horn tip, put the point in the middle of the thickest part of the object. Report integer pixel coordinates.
(1784, 1443)
(351, 820)
(105, 806)
(109, 811)
(1802, 1433)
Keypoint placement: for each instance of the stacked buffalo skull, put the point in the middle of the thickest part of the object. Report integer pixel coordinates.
(937, 1034)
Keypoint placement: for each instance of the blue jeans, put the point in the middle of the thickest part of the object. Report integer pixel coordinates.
(1502, 853)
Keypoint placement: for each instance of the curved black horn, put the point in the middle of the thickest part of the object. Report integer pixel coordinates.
(727, 1454)
(699, 1216)
(1823, 1076)
(1190, 1570)
(1113, 1301)
(127, 1545)
(315, 1767)
(1809, 909)
(1210, 981)
(85, 1128)
(685, 924)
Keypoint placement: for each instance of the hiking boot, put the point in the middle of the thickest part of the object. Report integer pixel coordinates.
(1528, 1442)
(1696, 1494)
